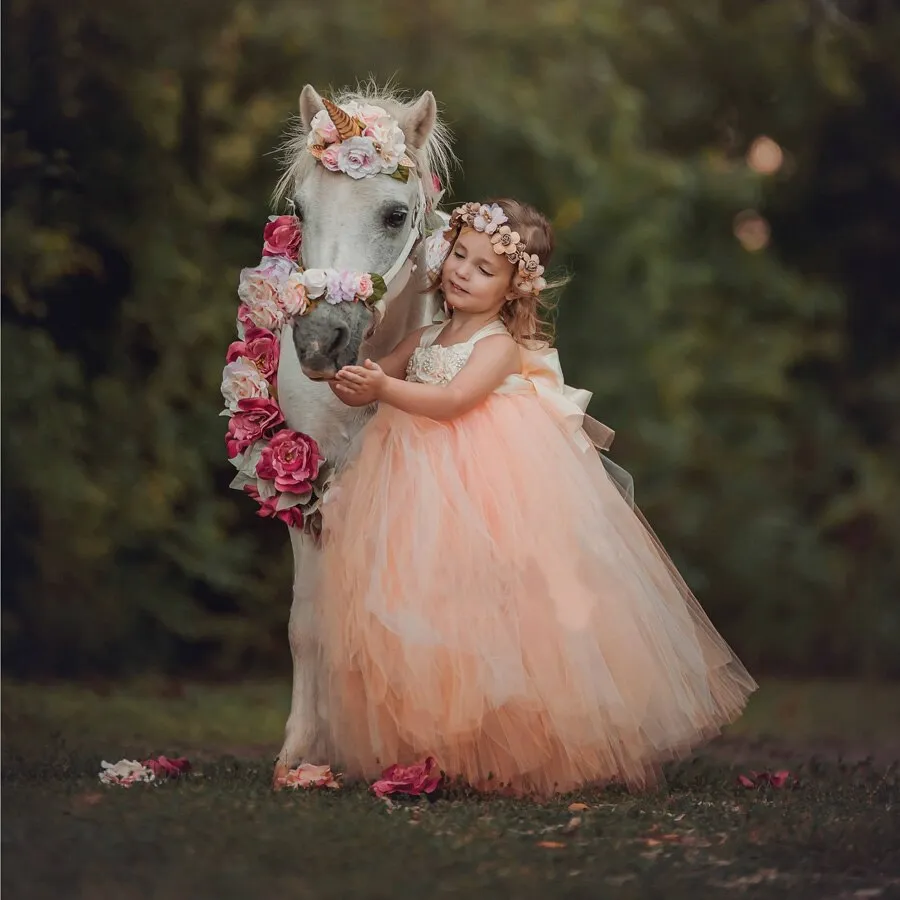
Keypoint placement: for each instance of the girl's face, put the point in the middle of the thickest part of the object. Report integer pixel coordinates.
(474, 278)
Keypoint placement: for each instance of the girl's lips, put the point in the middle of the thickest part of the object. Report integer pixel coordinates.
(456, 287)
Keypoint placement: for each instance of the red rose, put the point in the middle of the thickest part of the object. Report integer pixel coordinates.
(256, 416)
(281, 237)
(291, 460)
(261, 347)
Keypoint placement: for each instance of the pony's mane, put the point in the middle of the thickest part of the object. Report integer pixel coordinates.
(435, 158)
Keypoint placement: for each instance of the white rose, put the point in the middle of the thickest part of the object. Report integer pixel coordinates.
(240, 381)
(357, 157)
(316, 282)
(437, 248)
(391, 139)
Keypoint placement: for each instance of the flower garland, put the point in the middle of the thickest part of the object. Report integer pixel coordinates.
(283, 470)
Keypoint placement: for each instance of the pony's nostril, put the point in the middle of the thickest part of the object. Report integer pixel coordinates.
(340, 340)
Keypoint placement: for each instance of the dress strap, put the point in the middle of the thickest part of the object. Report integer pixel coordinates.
(495, 327)
(429, 335)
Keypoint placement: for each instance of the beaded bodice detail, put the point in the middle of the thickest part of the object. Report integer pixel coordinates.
(431, 363)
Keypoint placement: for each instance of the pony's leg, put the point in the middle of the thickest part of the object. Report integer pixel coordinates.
(301, 733)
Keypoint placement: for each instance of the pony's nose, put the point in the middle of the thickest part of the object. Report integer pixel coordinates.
(319, 362)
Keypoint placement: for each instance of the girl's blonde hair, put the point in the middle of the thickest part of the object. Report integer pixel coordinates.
(526, 316)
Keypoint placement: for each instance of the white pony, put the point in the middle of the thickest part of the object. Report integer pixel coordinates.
(370, 224)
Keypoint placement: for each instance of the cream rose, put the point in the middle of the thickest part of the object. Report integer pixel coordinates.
(241, 380)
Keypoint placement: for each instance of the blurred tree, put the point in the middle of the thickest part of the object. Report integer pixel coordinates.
(752, 380)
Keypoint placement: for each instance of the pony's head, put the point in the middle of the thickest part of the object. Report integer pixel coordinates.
(359, 224)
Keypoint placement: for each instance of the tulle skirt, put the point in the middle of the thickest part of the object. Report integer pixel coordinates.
(490, 599)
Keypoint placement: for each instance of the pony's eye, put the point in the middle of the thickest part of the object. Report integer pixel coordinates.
(396, 217)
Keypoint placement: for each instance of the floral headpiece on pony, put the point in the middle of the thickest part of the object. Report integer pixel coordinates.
(359, 140)
(528, 277)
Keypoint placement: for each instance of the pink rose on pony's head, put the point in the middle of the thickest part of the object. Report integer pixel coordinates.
(364, 286)
(329, 158)
(322, 130)
(255, 417)
(294, 298)
(357, 157)
(292, 460)
(422, 778)
(261, 348)
(370, 114)
(282, 237)
(292, 517)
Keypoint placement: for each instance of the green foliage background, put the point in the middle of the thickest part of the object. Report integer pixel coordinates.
(755, 394)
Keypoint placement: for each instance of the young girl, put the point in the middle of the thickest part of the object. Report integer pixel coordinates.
(489, 597)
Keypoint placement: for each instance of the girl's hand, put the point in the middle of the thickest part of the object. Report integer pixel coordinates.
(358, 385)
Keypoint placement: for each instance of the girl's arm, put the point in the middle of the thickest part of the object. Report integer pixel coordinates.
(492, 360)
(394, 364)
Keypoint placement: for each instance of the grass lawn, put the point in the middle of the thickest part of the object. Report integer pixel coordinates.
(221, 833)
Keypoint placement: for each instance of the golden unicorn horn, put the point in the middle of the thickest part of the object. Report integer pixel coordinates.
(347, 126)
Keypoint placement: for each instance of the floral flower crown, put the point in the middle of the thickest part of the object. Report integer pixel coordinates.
(359, 140)
(528, 278)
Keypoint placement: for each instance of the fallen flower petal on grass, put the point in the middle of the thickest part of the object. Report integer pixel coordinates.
(779, 779)
(578, 807)
(125, 772)
(421, 778)
(164, 767)
(308, 775)
(552, 845)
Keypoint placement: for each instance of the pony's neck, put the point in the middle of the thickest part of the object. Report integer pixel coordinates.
(412, 308)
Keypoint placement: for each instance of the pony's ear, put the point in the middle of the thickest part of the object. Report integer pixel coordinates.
(310, 104)
(419, 121)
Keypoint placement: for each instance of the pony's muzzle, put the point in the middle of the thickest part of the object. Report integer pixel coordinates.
(320, 356)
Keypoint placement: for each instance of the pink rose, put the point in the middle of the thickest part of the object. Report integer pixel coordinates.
(255, 416)
(291, 460)
(364, 286)
(164, 767)
(294, 296)
(281, 237)
(349, 285)
(322, 130)
(260, 347)
(259, 289)
(292, 517)
(329, 159)
(308, 775)
(415, 780)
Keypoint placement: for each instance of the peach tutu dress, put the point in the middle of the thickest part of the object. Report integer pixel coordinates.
(490, 598)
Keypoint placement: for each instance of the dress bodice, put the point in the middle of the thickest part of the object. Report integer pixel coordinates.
(431, 363)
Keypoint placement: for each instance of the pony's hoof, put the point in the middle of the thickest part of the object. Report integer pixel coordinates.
(279, 776)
